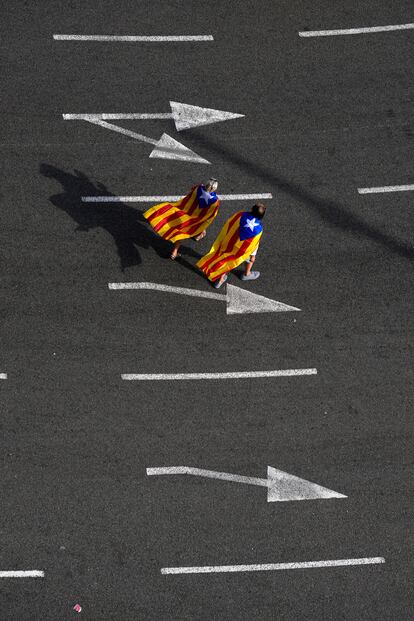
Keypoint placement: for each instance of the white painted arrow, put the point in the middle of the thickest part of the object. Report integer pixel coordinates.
(281, 486)
(165, 148)
(184, 116)
(238, 300)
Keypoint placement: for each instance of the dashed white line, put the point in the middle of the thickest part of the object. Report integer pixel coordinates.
(33, 573)
(210, 569)
(174, 197)
(208, 376)
(386, 188)
(133, 38)
(353, 31)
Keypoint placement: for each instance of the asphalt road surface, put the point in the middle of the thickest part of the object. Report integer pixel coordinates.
(324, 116)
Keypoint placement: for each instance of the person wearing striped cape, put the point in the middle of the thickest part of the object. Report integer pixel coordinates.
(237, 241)
(188, 217)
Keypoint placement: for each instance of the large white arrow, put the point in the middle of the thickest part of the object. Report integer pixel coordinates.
(238, 300)
(185, 116)
(281, 486)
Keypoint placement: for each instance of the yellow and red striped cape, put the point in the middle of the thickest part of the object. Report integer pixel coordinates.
(228, 251)
(182, 219)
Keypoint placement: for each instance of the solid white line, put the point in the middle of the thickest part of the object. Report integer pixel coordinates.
(166, 288)
(174, 197)
(122, 130)
(386, 188)
(272, 566)
(132, 38)
(35, 573)
(3, 375)
(351, 31)
(207, 376)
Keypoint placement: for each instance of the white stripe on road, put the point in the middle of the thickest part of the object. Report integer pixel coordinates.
(386, 188)
(166, 288)
(352, 31)
(117, 116)
(34, 573)
(207, 376)
(174, 197)
(133, 38)
(3, 375)
(212, 569)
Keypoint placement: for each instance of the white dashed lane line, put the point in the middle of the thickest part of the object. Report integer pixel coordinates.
(33, 573)
(209, 376)
(386, 188)
(134, 38)
(354, 31)
(174, 197)
(211, 569)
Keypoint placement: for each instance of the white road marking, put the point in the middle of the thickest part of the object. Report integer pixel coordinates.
(281, 486)
(238, 301)
(210, 569)
(133, 38)
(169, 197)
(185, 116)
(169, 149)
(386, 188)
(3, 376)
(165, 148)
(208, 376)
(352, 31)
(34, 573)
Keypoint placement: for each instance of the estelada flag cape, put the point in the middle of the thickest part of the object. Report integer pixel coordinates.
(237, 240)
(185, 218)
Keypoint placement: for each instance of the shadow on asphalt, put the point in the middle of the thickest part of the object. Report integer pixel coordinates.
(124, 223)
(330, 212)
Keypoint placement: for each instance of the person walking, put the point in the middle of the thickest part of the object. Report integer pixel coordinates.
(188, 217)
(238, 241)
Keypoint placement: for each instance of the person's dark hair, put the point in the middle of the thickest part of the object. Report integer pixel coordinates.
(258, 210)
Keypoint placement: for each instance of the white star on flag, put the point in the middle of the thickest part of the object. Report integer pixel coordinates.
(205, 195)
(250, 224)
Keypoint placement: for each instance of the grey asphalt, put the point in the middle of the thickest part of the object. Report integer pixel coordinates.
(322, 118)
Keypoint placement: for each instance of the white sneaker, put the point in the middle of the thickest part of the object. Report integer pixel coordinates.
(251, 276)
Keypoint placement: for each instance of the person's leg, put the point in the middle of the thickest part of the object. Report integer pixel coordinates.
(200, 236)
(248, 267)
(175, 252)
(217, 284)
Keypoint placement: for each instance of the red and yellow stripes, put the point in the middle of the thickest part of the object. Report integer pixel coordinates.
(182, 219)
(228, 250)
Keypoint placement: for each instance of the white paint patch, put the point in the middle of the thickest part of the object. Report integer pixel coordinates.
(170, 197)
(208, 376)
(386, 188)
(3, 376)
(238, 301)
(214, 569)
(34, 573)
(281, 486)
(134, 38)
(169, 149)
(187, 116)
(353, 31)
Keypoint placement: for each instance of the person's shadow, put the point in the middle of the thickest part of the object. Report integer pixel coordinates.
(125, 224)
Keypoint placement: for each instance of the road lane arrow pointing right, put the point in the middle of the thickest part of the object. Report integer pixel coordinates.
(281, 486)
(238, 301)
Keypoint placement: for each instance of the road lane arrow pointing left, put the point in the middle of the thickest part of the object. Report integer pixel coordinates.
(281, 486)
(238, 301)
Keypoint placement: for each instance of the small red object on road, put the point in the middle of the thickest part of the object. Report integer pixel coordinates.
(77, 608)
